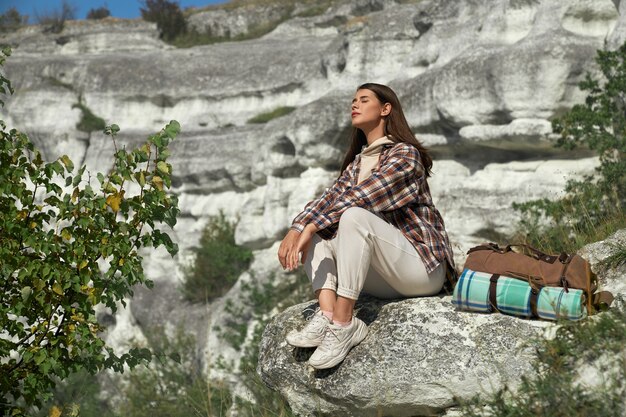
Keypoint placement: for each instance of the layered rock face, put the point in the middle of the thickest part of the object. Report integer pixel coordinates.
(478, 81)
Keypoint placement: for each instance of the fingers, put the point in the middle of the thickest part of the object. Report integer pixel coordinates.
(282, 255)
(293, 259)
(304, 253)
(288, 256)
(290, 249)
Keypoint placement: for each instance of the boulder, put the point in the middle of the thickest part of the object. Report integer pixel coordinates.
(419, 357)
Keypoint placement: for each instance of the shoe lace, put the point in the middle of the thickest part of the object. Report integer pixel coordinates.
(317, 323)
(328, 341)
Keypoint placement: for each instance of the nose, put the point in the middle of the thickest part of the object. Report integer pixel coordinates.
(353, 106)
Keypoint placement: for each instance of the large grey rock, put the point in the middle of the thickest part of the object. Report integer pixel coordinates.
(618, 35)
(419, 356)
(610, 278)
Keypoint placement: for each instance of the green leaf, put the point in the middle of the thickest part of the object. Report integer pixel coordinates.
(26, 292)
(163, 167)
(56, 287)
(172, 129)
(69, 165)
(110, 188)
(50, 250)
(111, 130)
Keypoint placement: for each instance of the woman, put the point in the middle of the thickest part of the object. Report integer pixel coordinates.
(375, 230)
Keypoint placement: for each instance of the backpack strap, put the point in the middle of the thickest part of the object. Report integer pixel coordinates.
(493, 301)
(493, 285)
(602, 300)
(534, 296)
(487, 246)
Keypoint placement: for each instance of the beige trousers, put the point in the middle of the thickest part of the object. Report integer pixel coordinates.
(372, 256)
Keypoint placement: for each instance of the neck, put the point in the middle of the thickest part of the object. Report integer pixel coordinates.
(374, 133)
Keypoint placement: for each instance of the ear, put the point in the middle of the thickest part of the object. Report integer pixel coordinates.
(386, 109)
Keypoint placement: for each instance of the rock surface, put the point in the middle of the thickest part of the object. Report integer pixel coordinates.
(418, 356)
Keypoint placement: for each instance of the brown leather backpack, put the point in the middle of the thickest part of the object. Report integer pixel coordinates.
(540, 270)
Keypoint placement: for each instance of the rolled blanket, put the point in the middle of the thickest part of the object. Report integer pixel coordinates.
(556, 303)
(471, 292)
(513, 296)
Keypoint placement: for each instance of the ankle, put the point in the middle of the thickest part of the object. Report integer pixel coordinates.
(342, 323)
(328, 314)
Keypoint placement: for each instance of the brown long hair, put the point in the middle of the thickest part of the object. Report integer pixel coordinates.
(395, 126)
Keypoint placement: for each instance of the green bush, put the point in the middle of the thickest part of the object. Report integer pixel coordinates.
(257, 301)
(167, 15)
(592, 207)
(54, 20)
(266, 117)
(12, 20)
(99, 13)
(219, 262)
(78, 395)
(191, 38)
(554, 391)
(172, 385)
(88, 122)
(277, 294)
(53, 241)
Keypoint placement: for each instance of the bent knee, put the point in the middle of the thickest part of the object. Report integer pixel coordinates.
(353, 216)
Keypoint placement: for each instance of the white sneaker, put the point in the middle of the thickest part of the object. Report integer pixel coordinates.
(337, 343)
(312, 334)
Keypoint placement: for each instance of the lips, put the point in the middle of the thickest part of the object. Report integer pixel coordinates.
(355, 113)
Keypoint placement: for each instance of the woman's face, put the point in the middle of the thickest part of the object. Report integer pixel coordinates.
(367, 110)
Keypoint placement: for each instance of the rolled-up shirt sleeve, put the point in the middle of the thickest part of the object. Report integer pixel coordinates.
(314, 208)
(394, 185)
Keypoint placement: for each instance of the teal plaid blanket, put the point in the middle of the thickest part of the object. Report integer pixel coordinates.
(471, 293)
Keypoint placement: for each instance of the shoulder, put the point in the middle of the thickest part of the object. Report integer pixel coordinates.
(402, 149)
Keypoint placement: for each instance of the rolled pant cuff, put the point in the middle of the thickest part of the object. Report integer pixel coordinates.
(348, 293)
(327, 286)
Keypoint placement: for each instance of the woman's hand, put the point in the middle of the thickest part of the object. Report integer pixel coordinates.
(302, 246)
(293, 244)
(288, 246)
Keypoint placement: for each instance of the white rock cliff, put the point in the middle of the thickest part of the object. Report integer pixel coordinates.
(479, 82)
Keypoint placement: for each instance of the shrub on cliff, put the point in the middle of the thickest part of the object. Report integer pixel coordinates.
(597, 200)
(266, 117)
(66, 248)
(581, 372)
(219, 262)
(99, 13)
(167, 15)
(11, 20)
(54, 20)
(173, 386)
(88, 122)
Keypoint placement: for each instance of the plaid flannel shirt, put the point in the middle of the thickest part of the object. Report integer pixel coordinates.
(399, 191)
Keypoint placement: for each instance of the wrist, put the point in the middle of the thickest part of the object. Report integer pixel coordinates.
(310, 228)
